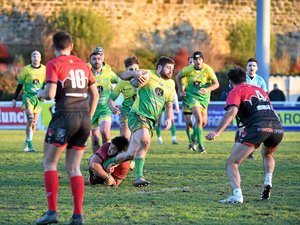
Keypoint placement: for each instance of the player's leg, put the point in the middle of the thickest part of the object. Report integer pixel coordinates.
(95, 139)
(173, 132)
(124, 130)
(29, 125)
(238, 155)
(198, 127)
(158, 130)
(51, 158)
(105, 125)
(269, 147)
(73, 160)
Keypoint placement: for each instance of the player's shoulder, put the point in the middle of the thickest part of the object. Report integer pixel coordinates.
(187, 69)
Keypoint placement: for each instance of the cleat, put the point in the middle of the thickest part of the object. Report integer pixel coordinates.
(31, 150)
(192, 147)
(266, 193)
(25, 148)
(47, 219)
(175, 142)
(77, 221)
(141, 182)
(160, 141)
(232, 200)
(251, 157)
(201, 149)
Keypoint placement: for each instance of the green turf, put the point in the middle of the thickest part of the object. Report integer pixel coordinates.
(185, 187)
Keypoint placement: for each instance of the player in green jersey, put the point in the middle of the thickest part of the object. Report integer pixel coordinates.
(31, 79)
(156, 93)
(201, 80)
(105, 77)
(129, 92)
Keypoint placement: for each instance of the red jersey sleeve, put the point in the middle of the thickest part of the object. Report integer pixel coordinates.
(51, 73)
(102, 151)
(122, 170)
(234, 98)
(91, 77)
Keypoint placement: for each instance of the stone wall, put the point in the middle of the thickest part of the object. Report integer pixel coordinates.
(22, 22)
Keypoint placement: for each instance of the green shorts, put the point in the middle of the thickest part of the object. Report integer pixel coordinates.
(101, 114)
(124, 114)
(196, 102)
(185, 106)
(136, 122)
(31, 102)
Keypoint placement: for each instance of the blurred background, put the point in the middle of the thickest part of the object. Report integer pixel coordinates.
(224, 30)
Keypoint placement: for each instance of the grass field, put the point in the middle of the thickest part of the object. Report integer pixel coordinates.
(185, 187)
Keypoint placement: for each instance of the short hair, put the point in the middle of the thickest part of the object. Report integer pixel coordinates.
(97, 51)
(237, 75)
(163, 60)
(121, 143)
(252, 60)
(131, 60)
(197, 55)
(62, 40)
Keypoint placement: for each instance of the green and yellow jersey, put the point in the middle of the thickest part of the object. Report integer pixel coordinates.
(197, 79)
(32, 79)
(129, 93)
(152, 97)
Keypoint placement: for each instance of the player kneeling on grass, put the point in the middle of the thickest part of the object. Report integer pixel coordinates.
(115, 175)
(253, 109)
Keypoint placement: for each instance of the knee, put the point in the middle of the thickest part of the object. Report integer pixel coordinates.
(73, 170)
(144, 144)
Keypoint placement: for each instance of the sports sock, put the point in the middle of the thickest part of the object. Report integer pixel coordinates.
(51, 186)
(158, 131)
(139, 167)
(199, 135)
(29, 144)
(173, 129)
(77, 186)
(109, 161)
(268, 179)
(237, 192)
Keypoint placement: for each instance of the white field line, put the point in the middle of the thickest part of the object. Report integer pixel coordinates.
(164, 190)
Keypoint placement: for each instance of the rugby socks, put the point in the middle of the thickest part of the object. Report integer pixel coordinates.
(139, 167)
(199, 135)
(77, 186)
(268, 179)
(29, 144)
(173, 130)
(51, 185)
(237, 192)
(109, 161)
(188, 134)
(158, 131)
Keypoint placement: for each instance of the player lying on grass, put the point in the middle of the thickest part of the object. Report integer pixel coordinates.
(114, 176)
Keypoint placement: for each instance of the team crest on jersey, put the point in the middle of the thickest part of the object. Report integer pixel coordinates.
(159, 92)
(36, 81)
(196, 83)
(100, 89)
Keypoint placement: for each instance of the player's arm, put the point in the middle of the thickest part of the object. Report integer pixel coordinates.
(139, 75)
(175, 102)
(17, 92)
(181, 92)
(94, 97)
(49, 92)
(226, 120)
(96, 165)
(112, 97)
(169, 115)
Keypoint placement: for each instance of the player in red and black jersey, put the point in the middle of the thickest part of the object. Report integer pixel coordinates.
(98, 175)
(254, 111)
(70, 81)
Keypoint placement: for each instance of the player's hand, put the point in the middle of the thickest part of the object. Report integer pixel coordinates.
(40, 94)
(141, 76)
(177, 109)
(182, 94)
(211, 136)
(14, 103)
(168, 124)
(116, 111)
(203, 91)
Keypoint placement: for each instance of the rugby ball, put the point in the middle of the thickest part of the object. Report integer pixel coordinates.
(134, 82)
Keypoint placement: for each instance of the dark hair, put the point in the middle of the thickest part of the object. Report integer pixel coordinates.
(237, 75)
(163, 60)
(62, 40)
(121, 142)
(252, 60)
(131, 60)
(197, 55)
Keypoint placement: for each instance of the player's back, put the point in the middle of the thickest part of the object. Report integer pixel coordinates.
(73, 77)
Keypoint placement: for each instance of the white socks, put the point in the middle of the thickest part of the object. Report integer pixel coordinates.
(268, 179)
(237, 192)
